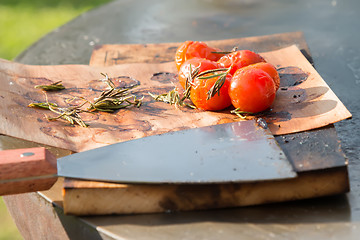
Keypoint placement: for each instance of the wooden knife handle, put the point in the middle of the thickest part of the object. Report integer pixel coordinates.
(26, 170)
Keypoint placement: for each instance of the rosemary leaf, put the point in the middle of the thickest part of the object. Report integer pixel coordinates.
(109, 100)
(172, 97)
(211, 71)
(218, 83)
(57, 86)
(241, 114)
(70, 114)
(212, 76)
(42, 105)
(114, 98)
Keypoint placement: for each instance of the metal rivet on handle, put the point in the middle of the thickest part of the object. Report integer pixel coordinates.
(27, 154)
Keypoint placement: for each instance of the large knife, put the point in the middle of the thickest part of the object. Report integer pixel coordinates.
(232, 152)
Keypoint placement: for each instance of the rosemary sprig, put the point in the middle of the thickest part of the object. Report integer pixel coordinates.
(70, 114)
(258, 116)
(241, 114)
(211, 71)
(190, 78)
(114, 98)
(113, 104)
(57, 86)
(244, 115)
(42, 105)
(108, 101)
(172, 97)
(189, 84)
(218, 83)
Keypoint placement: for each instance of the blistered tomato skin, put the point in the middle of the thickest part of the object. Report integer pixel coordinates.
(180, 53)
(198, 94)
(239, 59)
(252, 90)
(204, 64)
(200, 49)
(192, 49)
(269, 69)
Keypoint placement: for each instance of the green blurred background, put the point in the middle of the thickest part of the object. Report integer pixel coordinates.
(23, 22)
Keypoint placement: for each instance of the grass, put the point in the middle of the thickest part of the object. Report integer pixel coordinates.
(8, 229)
(22, 22)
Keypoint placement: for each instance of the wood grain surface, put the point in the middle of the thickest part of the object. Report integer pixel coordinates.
(304, 102)
(26, 170)
(96, 198)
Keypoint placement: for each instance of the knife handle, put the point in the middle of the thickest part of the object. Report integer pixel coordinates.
(26, 170)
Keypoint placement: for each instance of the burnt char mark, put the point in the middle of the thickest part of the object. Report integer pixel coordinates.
(278, 116)
(294, 95)
(163, 77)
(174, 48)
(168, 204)
(192, 196)
(291, 76)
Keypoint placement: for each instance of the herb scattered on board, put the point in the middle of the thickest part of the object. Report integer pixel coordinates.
(173, 98)
(241, 114)
(109, 100)
(42, 105)
(57, 86)
(70, 114)
(114, 98)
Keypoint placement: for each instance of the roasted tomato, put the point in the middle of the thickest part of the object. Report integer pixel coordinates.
(252, 90)
(180, 53)
(199, 94)
(270, 69)
(191, 49)
(239, 59)
(204, 64)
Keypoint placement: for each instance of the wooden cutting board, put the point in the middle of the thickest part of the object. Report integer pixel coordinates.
(304, 101)
(322, 176)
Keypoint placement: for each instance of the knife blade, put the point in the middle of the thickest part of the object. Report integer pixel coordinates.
(231, 152)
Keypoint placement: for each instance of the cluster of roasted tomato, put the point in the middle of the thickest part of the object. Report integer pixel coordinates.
(217, 80)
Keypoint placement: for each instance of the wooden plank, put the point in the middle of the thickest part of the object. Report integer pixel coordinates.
(96, 198)
(304, 151)
(23, 170)
(112, 54)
